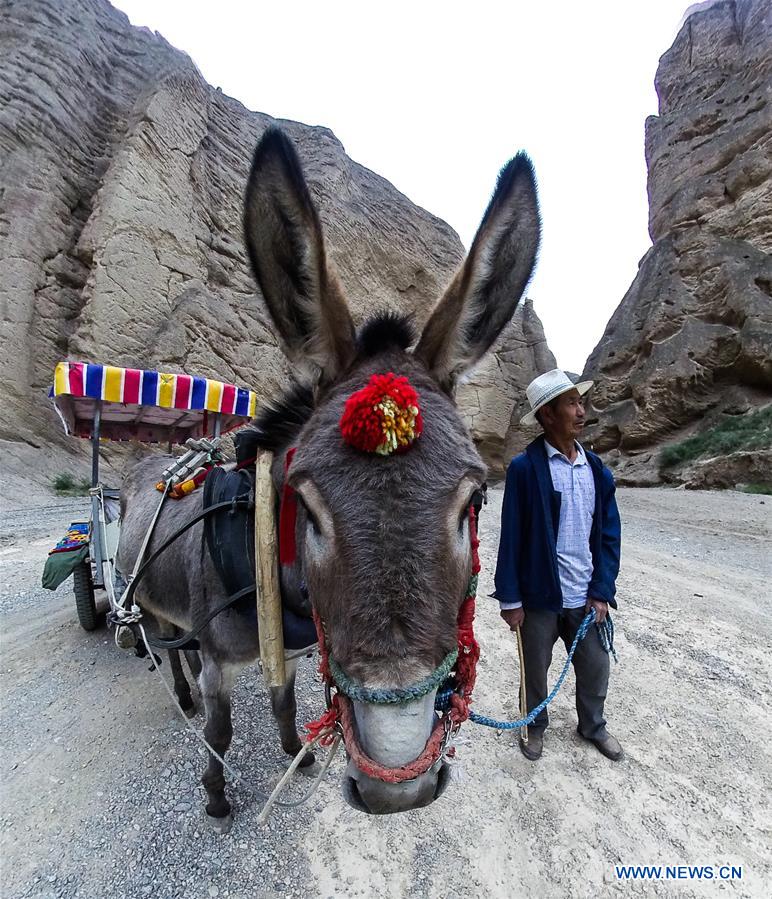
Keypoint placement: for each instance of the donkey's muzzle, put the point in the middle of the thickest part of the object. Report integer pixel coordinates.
(375, 797)
(389, 743)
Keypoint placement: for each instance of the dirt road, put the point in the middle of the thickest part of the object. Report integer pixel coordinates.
(100, 779)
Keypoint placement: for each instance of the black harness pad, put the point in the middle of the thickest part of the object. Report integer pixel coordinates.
(230, 532)
(230, 537)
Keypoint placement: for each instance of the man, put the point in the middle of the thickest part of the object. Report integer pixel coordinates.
(559, 555)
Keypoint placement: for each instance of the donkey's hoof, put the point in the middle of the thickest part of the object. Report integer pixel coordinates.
(308, 759)
(190, 712)
(220, 825)
(310, 770)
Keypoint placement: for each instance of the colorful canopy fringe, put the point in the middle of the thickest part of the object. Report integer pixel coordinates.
(163, 398)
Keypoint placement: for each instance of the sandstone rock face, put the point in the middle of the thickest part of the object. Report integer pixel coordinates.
(493, 399)
(726, 472)
(694, 332)
(120, 219)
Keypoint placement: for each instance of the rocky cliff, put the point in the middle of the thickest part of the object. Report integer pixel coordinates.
(493, 398)
(120, 224)
(692, 339)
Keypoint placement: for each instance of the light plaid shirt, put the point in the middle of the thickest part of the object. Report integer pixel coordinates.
(575, 483)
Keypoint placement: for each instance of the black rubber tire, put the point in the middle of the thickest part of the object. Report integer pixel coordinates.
(84, 597)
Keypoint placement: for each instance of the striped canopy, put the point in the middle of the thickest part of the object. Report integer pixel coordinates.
(145, 405)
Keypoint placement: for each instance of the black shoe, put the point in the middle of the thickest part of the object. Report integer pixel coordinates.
(532, 749)
(608, 746)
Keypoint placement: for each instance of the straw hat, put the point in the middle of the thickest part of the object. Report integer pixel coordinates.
(546, 387)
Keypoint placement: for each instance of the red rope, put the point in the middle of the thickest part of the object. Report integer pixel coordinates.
(329, 719)
(288, 511)
(324, 726)
(468, 647)
(474, 540)
(324, 662)
(432, 750)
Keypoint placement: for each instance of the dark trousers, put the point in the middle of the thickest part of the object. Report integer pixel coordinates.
(540, 631)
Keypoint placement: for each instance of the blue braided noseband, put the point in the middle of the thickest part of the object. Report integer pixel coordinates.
(392, 695)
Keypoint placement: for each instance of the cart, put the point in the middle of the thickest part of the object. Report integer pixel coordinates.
(105, 402)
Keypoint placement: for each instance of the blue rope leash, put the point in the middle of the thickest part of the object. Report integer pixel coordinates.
(606, 635)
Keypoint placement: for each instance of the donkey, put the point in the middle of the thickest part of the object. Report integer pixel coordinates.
(383, 542)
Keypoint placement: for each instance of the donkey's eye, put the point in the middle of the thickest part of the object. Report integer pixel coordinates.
(463, 517)
(476, 499)
(319, 529)
(310, 517)
(314, 524)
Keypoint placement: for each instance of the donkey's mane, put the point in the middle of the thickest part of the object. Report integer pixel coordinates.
(278, 422)
(385, 331)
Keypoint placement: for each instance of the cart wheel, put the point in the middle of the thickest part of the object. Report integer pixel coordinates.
(84, 597)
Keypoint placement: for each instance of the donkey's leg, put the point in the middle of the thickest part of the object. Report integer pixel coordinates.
(194, 662)
(216, 684)
(181, 686)
(285, 711)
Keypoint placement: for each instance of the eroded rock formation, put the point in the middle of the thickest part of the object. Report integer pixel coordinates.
(692, 338)
(494, 396)
(120, 216)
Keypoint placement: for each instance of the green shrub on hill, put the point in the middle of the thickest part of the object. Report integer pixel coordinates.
(65, 485)
(743, 432)
(763, 489)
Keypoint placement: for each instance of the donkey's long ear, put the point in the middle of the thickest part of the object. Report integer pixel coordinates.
(286, 247)
(483, 296)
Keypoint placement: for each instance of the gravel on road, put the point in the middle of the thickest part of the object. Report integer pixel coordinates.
(101, 792)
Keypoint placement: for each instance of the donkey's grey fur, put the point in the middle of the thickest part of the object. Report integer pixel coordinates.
(177, 591)
(383, 542)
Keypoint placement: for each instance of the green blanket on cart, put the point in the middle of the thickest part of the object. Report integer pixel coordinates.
(65, 557)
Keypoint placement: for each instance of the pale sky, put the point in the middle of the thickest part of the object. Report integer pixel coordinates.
(437, 96)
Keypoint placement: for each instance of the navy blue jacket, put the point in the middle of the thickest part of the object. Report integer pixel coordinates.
(527, 568)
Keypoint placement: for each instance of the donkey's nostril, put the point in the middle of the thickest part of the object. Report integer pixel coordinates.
(378, 798)
(352, 795)
(443, 780)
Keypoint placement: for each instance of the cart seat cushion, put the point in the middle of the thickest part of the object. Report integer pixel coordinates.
(76, 537)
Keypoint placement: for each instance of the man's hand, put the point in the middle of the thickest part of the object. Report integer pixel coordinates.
(601, 609)
(513, 617)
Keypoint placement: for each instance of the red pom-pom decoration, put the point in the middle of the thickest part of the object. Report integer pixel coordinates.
(383, 417)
